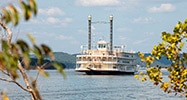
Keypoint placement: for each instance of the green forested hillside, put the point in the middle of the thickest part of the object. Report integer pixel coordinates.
(65, 58)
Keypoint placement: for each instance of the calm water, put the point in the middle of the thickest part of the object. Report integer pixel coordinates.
(97, 87)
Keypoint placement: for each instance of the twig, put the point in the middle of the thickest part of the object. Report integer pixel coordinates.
(43, 66)
(6, 73)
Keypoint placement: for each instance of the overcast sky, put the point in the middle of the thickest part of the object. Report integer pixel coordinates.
(138, 24)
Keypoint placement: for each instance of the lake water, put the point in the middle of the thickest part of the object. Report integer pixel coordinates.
(78, 86)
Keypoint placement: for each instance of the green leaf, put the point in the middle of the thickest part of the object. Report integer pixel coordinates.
(185, 27)
(5, 46)
(32, 39)
(185, 21)
(48, 51)
(181, 45)
(59, 68)
(2, 61)
(6, 16)
(37, 51)
(43, 72)
(14, 15)
(26, 10)
(23, 46)
(33, 6)
(15, 50)
(26, 60)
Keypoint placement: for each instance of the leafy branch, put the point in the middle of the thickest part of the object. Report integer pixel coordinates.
(171, 47)
(15, 56)
(11, 14)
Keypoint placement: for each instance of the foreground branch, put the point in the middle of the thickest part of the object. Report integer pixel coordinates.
(25, 78)
(13, 81)
(9, 38)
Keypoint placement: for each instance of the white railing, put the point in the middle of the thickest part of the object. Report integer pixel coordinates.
(104, 62)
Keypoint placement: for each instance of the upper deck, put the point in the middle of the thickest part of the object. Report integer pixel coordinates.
(102, 50)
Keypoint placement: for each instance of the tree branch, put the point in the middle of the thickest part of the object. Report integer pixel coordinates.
(43, 66)
(9, 38)
(13, 81)
(6, 73)
(25, 78)
(6, 80)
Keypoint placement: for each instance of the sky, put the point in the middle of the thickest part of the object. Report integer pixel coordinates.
(137, 24)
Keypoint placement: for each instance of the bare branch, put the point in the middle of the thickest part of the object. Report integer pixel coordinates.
(6, 73)
(37, 76)
(13, 81)
(9, 38)
(43, 66)
(25, 78)
(6, 80)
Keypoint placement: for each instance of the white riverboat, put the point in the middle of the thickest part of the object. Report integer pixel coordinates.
(105, 58)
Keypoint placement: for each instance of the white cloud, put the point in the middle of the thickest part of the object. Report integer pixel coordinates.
(53, 16)
(137, 42)
(62, 37)
(53, 11)
(123, 29)
(81, 31)
(65, 21)
(110, 4)
(122, 38)
(55, 36)
(143, 20)
(162, 8)
(98, 2)
(52, 20)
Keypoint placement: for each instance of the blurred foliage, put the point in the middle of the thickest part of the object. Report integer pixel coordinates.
(172, 47)
(10, 55)
(13, 54)
(4, 96)
(11, 14)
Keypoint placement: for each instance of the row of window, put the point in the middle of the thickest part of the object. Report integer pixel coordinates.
(121, 61)
(102, 46)
(125, 55)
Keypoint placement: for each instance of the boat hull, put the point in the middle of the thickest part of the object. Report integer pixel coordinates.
(108, 73)
(105, 72)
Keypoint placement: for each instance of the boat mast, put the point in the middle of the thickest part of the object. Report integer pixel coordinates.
(111, 34)
(101, 22)
(89, 32)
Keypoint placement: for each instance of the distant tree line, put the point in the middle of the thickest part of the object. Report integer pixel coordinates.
(47, 64)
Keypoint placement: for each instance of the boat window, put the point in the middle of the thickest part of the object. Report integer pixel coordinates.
(126, 55)
(101, 45)
(126, 61)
